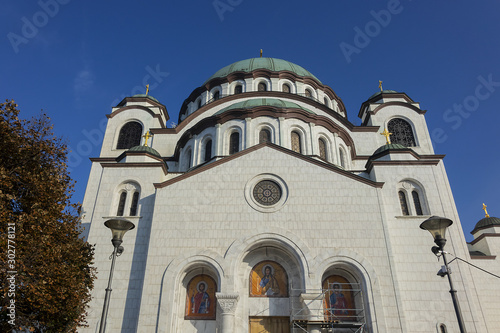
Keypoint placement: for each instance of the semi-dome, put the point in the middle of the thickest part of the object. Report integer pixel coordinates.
(275, 102)
(486, 222)
(271, 64)
(391, 146)
(145, 149)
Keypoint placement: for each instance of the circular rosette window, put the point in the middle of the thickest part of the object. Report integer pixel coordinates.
(266, 193)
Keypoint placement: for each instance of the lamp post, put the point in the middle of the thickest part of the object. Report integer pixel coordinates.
(437, 227)
(118, 229)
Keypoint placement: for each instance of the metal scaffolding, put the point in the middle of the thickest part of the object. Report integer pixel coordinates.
(311, 310)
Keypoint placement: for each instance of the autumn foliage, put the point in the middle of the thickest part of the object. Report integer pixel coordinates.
(53, 265)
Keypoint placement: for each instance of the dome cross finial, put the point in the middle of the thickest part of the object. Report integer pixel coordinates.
(261, 53)
(485, 211)
(380, 85)
(146, 138)
(147, 89)
(387, 135)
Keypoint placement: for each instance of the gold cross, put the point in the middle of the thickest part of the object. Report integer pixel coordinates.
(146, 137)
(387, 135)
(261, 53)
(380, 85)
(485, 211)
(147, 89)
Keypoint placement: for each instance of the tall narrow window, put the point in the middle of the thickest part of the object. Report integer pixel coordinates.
(133, 206)
(188, 159)
(208, 150)
(130, 135)
(341, 158)
(322, 148)
(234, 143)
(286, 88)
(296, 146)
(402, 132)
(416, 202)
(262, 87)
(199, 103)
(442, 328)
(308, 93)
(264, 136)
(121, 204)
(238, 89)
(216, 95)
(403, 203)
(325, 100)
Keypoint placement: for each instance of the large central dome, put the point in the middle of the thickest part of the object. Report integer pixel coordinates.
(271, 64)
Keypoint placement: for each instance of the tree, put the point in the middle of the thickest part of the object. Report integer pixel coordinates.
(45, 267)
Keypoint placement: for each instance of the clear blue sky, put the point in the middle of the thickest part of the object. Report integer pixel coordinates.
(74, 59)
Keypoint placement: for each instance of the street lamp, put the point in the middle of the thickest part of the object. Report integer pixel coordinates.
(437, 227)
(118, 229)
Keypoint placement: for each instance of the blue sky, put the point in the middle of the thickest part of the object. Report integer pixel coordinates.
(75, 59)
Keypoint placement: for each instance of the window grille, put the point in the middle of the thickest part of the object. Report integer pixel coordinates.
(322, 148)
(402, 132)
(262, 87)
(130, 135)
(234, 143)
(416, 202)
(264, 136)
(403, 203)
(121, 204)
(296, 146)
(286, 88)
(133, 206)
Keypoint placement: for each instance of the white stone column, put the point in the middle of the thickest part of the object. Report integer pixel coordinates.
(218, 142)
(247, 133)
(313, 142)
(227, 303)
(281, 121)
(336, 149)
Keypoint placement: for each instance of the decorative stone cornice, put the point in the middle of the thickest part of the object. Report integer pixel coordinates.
(227, 302)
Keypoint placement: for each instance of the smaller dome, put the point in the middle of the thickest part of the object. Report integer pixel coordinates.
(147, 96)
(145, 149)
(392, 146)
(383, 92)
(486, 222)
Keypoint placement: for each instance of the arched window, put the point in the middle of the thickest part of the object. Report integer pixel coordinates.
(200, 298)
(262, 87)
(133, 205)
(340, 298)
(234, 143)
(199, 103)
(416, 202)
(442, 328)
(130, 135)
(264, 136)
(286, 88)
(322, 148)
(325, 100)
(342, 158)
(295, 139)
(216, 95)
(238, 89)
(403, 203)
(208, 150)
(187, 159)
(402, 132)
(121, 204)
(268, 279)
(308, 93)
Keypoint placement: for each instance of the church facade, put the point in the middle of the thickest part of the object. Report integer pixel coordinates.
(266, 210)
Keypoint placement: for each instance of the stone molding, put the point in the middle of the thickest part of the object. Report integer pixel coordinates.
(227, 302)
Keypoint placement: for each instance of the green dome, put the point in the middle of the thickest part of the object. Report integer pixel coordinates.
(145, 149)
(271, 64)
(392, 146)
(486, 222)
(383, 92)
(251, 103)
(147, 96)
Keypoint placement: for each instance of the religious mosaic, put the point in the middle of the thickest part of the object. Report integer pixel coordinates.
(200, 298)
(339, 299)
(268, 279)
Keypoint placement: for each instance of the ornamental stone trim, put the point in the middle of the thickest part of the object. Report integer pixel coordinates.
(227, 302)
